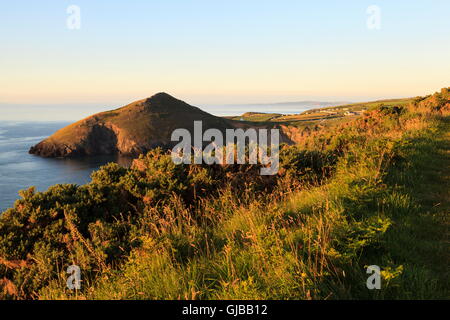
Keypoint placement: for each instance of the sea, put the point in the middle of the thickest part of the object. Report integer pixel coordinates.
(20, 170)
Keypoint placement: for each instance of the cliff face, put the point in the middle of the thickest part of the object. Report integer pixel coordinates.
(131, 130)
(96, 138)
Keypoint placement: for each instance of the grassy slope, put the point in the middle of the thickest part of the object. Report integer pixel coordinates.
(314, 244)
(316, 115)
(363, 105)
(421, 216)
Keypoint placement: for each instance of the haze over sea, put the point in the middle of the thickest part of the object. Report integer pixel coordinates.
(23, 126)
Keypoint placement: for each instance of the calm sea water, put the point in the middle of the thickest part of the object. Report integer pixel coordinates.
(20, 170)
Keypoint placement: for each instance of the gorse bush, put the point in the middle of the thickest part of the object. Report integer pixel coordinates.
(165, 231)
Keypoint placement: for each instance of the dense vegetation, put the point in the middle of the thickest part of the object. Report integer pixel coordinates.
(373, 191)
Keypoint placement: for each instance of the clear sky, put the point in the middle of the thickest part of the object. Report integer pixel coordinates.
(220, 52)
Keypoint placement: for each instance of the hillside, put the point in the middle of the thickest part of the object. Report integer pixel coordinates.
(131, 130)
(373, 190)
(146, 124)
(321, 114)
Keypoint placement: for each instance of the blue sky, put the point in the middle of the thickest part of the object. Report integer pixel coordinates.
(221, 52)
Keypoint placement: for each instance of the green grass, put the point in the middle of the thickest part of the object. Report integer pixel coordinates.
(316, 243)
(256, 116)
(373, 104)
